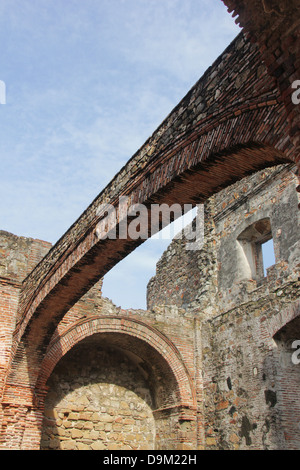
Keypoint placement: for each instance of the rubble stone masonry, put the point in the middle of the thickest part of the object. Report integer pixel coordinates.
(251, 386)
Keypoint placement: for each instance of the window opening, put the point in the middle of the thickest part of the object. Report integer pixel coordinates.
(268, 255)
(256, 251)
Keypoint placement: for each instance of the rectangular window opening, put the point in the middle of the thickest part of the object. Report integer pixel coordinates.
(268, 255)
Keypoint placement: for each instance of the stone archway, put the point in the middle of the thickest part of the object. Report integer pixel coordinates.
(116, 384)
(99, 399)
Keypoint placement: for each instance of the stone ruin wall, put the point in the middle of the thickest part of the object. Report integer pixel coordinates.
(18, 256)
(133, 392)
(251, 387)
(209, 281)
(227, 330)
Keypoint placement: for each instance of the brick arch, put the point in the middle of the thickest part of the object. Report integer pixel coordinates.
(158, 343)
(219, 133)
(86, 261)
(271, 326)
(58, 292)
(277, 322)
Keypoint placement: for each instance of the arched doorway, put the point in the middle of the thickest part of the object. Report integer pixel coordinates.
(99, 399)
(110, 389)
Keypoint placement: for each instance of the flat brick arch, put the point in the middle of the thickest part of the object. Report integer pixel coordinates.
(159, 343)
(88, 261)
(228, 126)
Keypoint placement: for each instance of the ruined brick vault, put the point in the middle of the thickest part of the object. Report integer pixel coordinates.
(212, 362)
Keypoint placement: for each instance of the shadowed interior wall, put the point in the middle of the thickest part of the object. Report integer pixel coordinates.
(99, 399)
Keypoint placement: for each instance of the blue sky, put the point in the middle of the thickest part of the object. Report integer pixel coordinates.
(87, 82)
